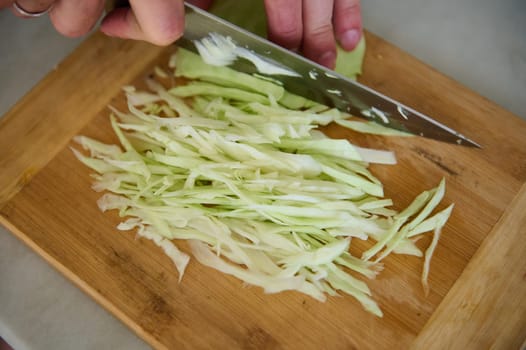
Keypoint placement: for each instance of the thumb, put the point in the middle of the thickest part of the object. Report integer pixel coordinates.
(160, 22)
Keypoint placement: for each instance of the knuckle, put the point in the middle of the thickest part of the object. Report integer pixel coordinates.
(287, 36)
(166, 34)
(321, 32)
(289, 33)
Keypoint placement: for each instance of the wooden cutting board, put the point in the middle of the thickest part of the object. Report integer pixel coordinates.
(478, 273)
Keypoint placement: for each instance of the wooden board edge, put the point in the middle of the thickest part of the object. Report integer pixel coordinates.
(486, 307)
(82, 285)
(27, 142)
(111, 308)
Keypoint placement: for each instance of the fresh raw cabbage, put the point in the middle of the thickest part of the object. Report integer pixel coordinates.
(250, 15)
(259, 193)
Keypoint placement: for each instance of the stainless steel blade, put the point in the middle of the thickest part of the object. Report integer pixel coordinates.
(318, 83)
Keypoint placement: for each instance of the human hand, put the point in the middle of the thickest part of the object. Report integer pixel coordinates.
(313, 27)
(158, 21)
(71, 18)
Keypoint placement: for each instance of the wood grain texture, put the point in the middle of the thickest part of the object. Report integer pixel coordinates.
(62, 103)
(486, 308)
(55, 213)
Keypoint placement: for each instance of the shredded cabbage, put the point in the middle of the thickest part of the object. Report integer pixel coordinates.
(255, 189)
(218, 50)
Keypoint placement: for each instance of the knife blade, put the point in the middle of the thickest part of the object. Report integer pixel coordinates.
(316, 82)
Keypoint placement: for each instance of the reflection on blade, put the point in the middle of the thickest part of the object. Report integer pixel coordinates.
(316, 82)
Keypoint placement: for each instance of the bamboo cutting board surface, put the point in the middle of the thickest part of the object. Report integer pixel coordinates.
(478, 273)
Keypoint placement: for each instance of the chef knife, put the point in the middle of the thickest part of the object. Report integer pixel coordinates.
(316, 82)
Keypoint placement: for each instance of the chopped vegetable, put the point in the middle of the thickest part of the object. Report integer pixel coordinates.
(255, 189)
(250, 15)
(370, 127)
(218, 50)
(192, 66)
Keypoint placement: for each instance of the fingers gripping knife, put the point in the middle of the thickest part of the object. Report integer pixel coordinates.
(314, 81)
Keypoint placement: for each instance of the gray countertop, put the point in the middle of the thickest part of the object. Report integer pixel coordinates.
(480, 43)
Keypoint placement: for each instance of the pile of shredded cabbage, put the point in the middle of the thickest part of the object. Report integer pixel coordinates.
(234, 165)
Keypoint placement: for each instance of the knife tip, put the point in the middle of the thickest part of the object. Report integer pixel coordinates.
(464, 141)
